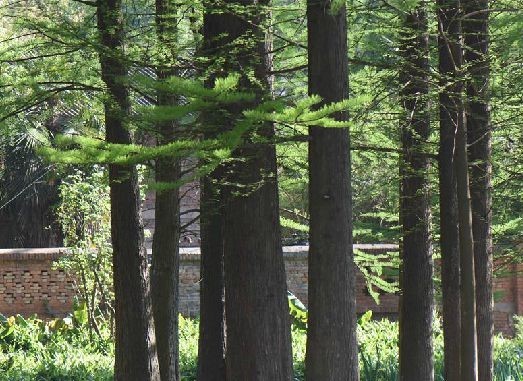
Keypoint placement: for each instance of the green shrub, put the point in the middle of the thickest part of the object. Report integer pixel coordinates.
(84, 214)
(65, 350)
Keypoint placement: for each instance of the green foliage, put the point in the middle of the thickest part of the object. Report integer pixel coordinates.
(377, 349)
(188, 336)
(405, 5)
(376, 227)
(298, 311)
(288, 223)
(508, 355)
(50, 69)
(32, 349)
(84, 214)
(374, 267)
(36, 350)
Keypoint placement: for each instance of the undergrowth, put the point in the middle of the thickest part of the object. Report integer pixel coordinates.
(64, 350)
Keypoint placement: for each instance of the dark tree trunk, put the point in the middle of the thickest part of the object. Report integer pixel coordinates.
(469, 363)
(417, 298)
(211, 343)
(451, 115)
(165, 266)
(135, 347)
(256, 307)
(257, 313)
(332, 352)
(165, 255)
(475, 31)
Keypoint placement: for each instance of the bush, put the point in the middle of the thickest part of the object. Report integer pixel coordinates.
(56, 350)
(84, 214)
(65, 350)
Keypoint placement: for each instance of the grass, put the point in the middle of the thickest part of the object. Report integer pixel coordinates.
(32, 352)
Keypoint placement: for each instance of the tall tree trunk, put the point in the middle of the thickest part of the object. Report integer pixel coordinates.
(256, 307)
(135, 346)
(165, 255)
(475, 31)
(211, 343)
(257, 312)
(451, 114)
(469, 361)
(332, 352)
(417, 298)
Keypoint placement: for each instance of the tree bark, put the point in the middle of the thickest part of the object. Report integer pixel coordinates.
(257, 315)
(451, 114)
(417, 298)
(332, 352)
(135, 347)
(469, 361)
(469, 365)
(256, 307)
(165, 254)
(211, 343)
(475, 31)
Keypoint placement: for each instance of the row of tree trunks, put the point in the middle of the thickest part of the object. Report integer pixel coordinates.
(250, 269)
(135, 346)
(468, 122)
(451, 115)
(332, 352)
(417, 297)
(165, 257)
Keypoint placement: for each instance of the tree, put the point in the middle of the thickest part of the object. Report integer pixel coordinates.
(451, 115)
(211, 340)
(332, 352)
(479, 135)
(256, 309)
(469, 364)
(417, 298)
(165, 256)
(135, 347)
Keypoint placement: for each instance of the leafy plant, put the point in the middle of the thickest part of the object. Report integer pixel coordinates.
(62, 350)
(298, 311)
(84, 214)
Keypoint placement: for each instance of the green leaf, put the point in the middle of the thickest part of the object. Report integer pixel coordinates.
(365, 318)
(80, 313)
(298, 311)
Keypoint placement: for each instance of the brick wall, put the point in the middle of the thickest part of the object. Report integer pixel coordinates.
(297, 280)
(29, 285)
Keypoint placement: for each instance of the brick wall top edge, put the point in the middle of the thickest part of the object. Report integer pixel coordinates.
(187, 254)
(304, 248)
(31, 254)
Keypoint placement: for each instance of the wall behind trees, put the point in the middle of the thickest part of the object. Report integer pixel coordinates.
(29, 285)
